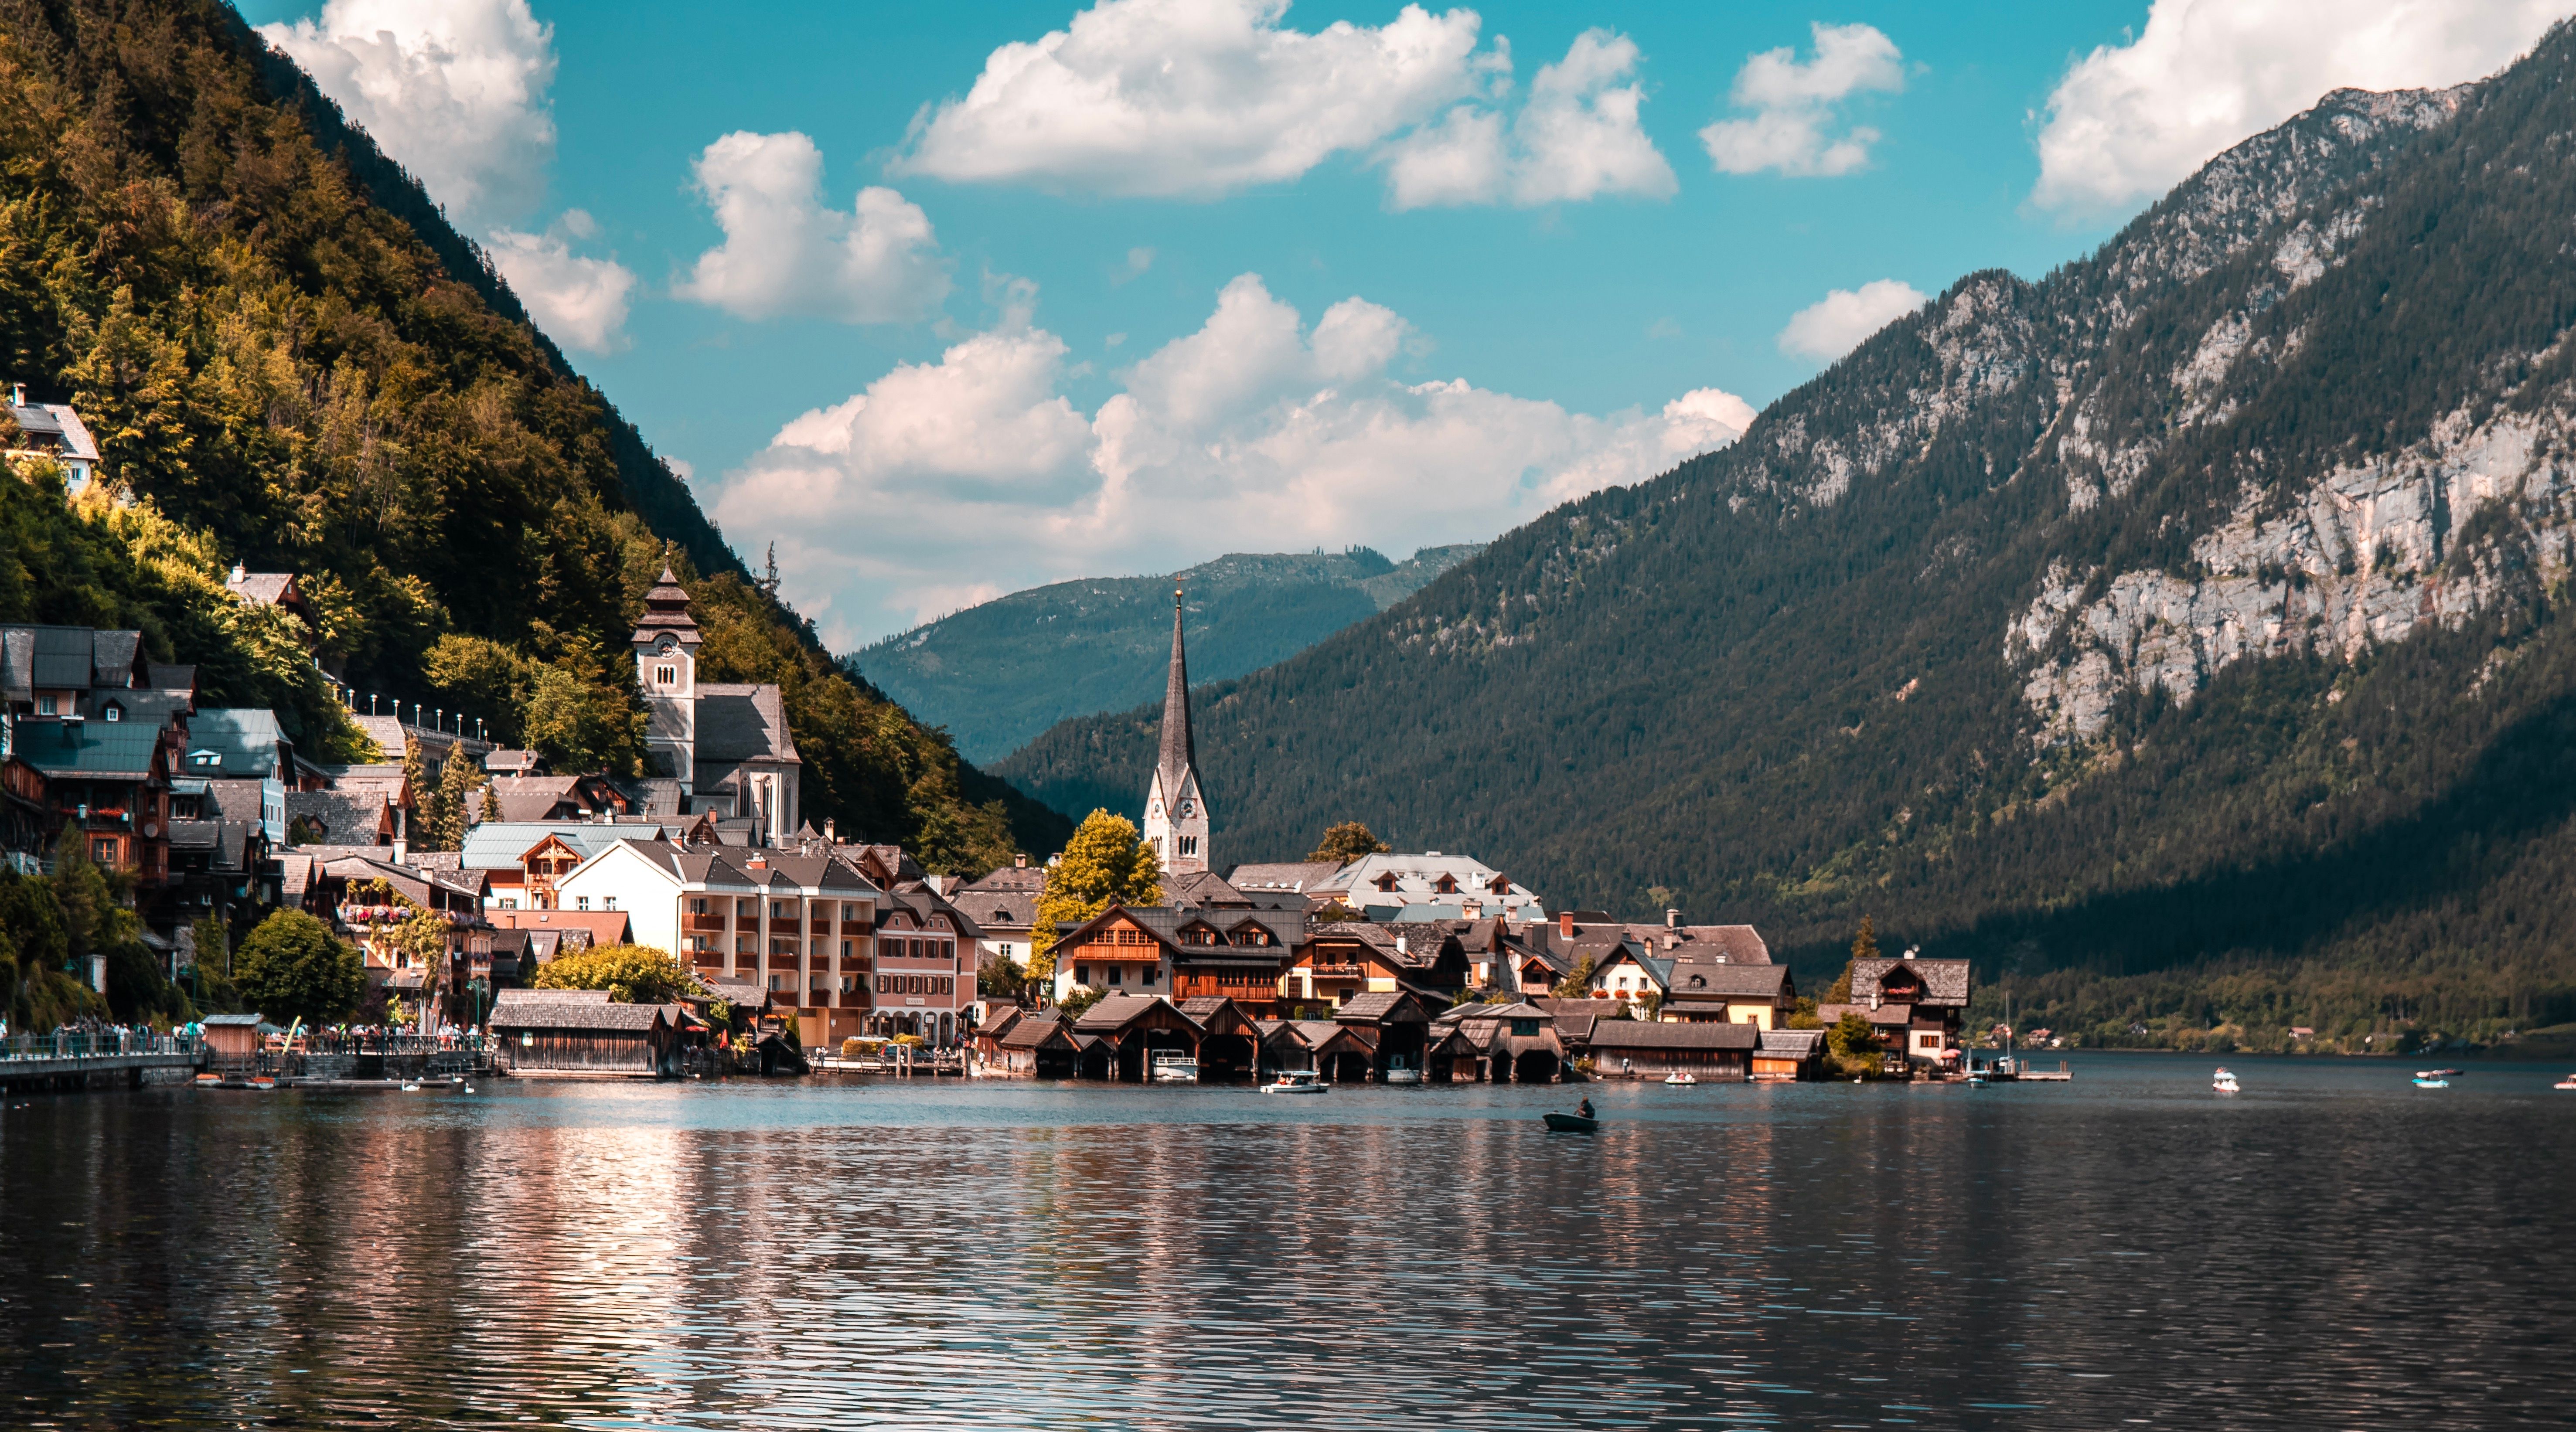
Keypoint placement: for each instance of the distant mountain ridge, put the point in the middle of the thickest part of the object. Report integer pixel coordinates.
(997, 674)
(2183, 637)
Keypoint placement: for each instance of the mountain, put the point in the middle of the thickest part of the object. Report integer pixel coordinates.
(2183, 637)
(997, 674)
(291, 361)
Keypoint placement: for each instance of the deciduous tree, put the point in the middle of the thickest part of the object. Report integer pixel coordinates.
(1347, 842)
(1104, 864)
(292, 967)
(632, 974)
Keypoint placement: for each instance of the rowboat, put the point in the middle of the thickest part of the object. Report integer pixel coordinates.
(1571, 1124)
(1678, 1077)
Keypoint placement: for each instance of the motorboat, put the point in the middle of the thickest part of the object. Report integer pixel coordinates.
(2567, 1083)
(1399, 1072)
(1571, 1124)
(1174, 1067)
(2224, 1082)
(2438, 1073)
(1680, 1077)
(2422, 1081)
(1298, 1081)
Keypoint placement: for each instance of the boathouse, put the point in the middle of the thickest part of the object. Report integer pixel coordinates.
(1398, 1025)
(1120, 1035)
(1229, 1039)
(1637, 1049)
(1040, 1044)
(580, 1033)
(1789, 1054)
(1340, 1053)
(1502, 1043)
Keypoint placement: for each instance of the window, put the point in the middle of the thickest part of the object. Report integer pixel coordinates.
(1189, 845)
(608, 902)
(1386, 882)
(1082, 974)
(666, 676)
(45, 706)
(777, 983)
(114, 712)
(698, 906)
(1927, 1041)
(1113, 974)
(509, 902)
(781, 910)
(1148, 976)
(581, 902)
(103, 851)
(849, 949)
(1005, 949)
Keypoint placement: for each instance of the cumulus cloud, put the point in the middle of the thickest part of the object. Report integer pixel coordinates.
(1795, 105)
(580, 302)
(1577, 137)
(453, 90)
(1835, 324)
(786, 252)
(1192, 97)
(2129, 121)
(1257, 432)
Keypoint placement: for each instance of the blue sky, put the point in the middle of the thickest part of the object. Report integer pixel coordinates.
(1091, 336)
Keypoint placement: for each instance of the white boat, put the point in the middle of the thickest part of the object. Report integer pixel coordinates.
(1399, 1072)
(411, 1088)
(1298, 1081)
(1173, 1067)
(1678, 1077)
(2224, 1082)
(2423, 1083)
(2567, 1083)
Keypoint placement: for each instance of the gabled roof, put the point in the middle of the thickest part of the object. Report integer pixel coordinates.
(1705, 944)
(54, 427)
(524, 799)
(1296, 876)
(234, 743)
(1482, 1013)
(499, 844)
(346, 817)
(1945, 982)
(738, 724)
(1026, 878)
(604, 927)
(1202, 888)
(1117, 1013)
(1792, 1043)
(264, 588)
(1384, 1007)
(1617, 1035)
(1690, 981)
(1038, 1029)
(998, 910)
(587, 1016)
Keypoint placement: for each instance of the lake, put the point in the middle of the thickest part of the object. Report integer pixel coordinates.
(2331, 1248)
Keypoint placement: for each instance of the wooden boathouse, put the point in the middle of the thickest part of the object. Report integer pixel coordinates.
(581, 1034)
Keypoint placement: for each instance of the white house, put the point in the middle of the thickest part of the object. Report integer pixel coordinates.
(1462, 884)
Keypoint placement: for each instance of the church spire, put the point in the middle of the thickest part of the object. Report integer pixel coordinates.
(1179, 757)
(1176, 817)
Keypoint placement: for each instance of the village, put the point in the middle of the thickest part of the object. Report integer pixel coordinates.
(803, 950)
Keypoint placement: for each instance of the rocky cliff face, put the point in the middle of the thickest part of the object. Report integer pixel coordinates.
(2034, 626)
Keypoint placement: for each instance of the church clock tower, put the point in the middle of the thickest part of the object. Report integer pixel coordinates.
(666, 667)
(1176, 817)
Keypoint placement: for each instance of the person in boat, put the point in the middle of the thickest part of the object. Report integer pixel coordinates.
(1585, 1108)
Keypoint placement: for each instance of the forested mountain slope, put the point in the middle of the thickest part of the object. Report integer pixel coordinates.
(2183, 637)
(292, 362)
(997, 674)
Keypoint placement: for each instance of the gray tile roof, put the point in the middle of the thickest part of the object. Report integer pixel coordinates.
(1945, 982)
(1615, 1036)
(242, 742)
(1691, 981)
(738, 724)
(1295, 876)
(1792, 1043)
(346, 817)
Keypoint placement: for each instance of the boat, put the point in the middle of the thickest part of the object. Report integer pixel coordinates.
(2567, 1083)
(1571, 1124)
(1173, 1067)
(1298, 1081)
(2224, 1082)
(1399, 1072)
(411, 1088)
(2421, 1082)
(1679, 1077)
(2439, 1073)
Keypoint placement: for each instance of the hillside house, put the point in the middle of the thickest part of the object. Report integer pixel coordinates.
(1917, 1006)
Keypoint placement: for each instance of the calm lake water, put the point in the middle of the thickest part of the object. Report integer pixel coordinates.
(2332, 1248)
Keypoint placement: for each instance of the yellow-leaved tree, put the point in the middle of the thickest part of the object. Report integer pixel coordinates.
(632, 974)
(1104, 864)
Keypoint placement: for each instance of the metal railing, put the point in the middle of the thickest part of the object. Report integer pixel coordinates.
(94, 1044)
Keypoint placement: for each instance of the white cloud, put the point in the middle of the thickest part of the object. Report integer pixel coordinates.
(1576, 138)
(1835, 324)
(1192, 97)
(1794, 105)
(2130, 121)
(1257, 432)
(580, 302)
(453, 90)
(784, 252)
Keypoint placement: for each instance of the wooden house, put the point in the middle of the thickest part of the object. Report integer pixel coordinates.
(1916, 1006)
(581, 1034)
(1200, 953)
(1120, 1035)
(1761, 995)
(1345, 959)
(1342, 1054)
(1398, 1026)
(1497, 1043)
(1229, 1041)
(232, 1036)
(1040, 1044)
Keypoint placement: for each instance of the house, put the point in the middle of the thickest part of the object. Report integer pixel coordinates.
(1455, 886)
(523, 860)
(1344, 959)
(924, 983)
(1787, 1055)
(1916, 1006)
(361, 817)
(52, 432)
(1229, 1038)
(1004, 907)
(726, 746)
(232, 1036)
(1293, 878)
(1702, 944)
(110, 781)
(1157, 949)
(1623, 971)
(549, 933)
(1762, 995)
(1651, 1050)
(806, 925)
(241, 744)
(1498, 1043)
(1176, 812)
(580, 1033)
(526, 799)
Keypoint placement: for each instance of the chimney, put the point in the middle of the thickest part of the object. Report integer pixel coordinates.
(1399, 945)
(18, 394)
(830, 835)
(756, 862)
(237, 574)
(1020, 860)
(1565, 923)
(1672, 919)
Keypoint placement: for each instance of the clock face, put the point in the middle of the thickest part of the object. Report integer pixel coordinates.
(1185, 807)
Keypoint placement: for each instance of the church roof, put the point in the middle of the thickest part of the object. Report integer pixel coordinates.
(666, 609)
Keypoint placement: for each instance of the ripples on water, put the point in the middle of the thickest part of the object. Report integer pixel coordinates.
(2332, 1248)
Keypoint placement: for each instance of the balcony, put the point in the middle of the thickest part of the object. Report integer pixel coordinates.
(821, 926)
(709, 924)
(784, 962)
(1334, 972)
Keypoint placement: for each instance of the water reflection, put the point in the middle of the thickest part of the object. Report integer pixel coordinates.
(2329, 1248)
